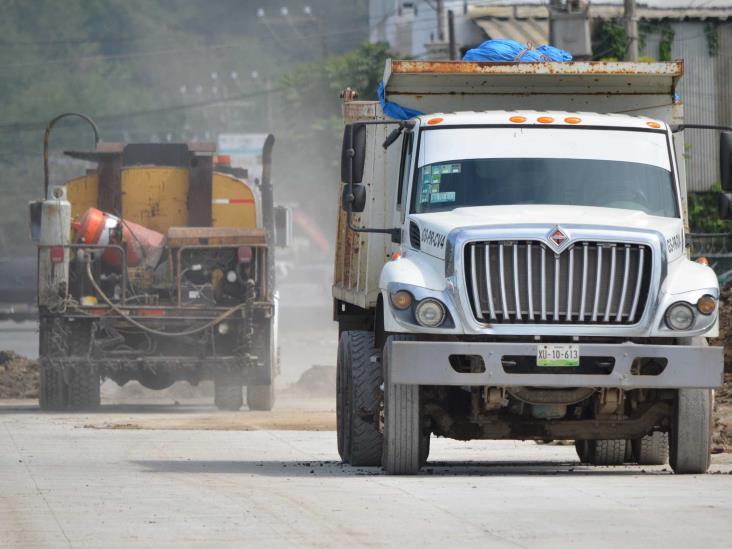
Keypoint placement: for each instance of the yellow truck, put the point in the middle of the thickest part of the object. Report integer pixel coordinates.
(157, 265)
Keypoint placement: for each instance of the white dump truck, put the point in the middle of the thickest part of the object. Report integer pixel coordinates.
(514, 264)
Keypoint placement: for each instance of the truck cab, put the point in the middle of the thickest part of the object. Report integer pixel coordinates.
(523, 273)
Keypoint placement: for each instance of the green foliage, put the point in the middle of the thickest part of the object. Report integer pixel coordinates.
(311, 124)
(614, 43)
(703, 214)
(711, 31)
(667, 40)
(133, 64)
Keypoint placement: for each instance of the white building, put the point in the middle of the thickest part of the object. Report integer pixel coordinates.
(699, 32)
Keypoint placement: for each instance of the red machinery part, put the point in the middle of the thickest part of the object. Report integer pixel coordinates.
(98, 227)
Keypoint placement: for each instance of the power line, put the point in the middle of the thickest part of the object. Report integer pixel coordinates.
(28, 126)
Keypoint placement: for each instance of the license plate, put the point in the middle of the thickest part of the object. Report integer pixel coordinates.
(557, 355)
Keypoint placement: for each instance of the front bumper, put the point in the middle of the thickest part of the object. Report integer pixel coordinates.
(428, 363)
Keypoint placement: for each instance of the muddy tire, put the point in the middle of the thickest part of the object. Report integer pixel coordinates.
(228, 396)
(52, 396)
(582, 447)
(651, 449)
(402, 422)
(359, 400)
(607, 452)
(691, 433)
(261, 397)
(84, 388)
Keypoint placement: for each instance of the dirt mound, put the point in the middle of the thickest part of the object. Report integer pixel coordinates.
(18, 376)
(316, 381)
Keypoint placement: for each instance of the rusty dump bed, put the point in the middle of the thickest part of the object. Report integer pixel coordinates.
(597, 86)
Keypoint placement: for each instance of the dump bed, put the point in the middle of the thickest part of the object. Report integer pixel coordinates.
(606, 87)
(647, 89)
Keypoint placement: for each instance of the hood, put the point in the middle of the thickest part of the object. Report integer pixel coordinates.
(435, 227)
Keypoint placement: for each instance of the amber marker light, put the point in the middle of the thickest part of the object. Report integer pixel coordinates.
(706, 304)
(703, 260)
(518, 119)
(433, 121)
(401, 300)
(653, 124)
(572, 120)
(545, 120)
(395, 256)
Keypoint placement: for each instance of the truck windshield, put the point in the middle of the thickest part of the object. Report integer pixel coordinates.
(481, 166)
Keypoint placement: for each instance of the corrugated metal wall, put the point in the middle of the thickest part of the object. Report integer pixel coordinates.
(706, 90)
(698, 91)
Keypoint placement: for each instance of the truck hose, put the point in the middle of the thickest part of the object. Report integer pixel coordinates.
(134, 322)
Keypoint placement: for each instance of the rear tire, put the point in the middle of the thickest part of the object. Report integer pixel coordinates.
(583, 450)
(52, 396)
(228, 396)
(607, 452)
(359, 384)
(403, 435)
(84, 388)
(261, 397)
(651, 449)
(691, 433)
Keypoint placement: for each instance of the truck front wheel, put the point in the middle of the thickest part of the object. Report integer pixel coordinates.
(359, 400)
(404, 441)
(691, 432)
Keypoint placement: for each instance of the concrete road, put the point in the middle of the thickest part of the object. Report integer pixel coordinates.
(140, 477)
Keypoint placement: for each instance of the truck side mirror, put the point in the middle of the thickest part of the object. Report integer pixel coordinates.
(358, 204)
(283, 226)
(353, 153)
(724, 203)
(36, 207)
(725, 159)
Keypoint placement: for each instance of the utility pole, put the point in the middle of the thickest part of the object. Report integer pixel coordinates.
(631, 31)
(451, 35)
(440, 20)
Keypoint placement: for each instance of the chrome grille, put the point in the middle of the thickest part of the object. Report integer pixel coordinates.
(526, 281)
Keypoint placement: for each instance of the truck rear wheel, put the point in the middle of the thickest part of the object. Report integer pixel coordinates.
(607, 452)
(261, 397)
(52, 395)
(582, 448)
(360, 442)
(228, 396)
(651, 449)
(691, 433)
(84, 387)
(403, 437)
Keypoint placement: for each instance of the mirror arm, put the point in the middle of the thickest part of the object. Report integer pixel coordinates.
(682, 127)
(396, 234)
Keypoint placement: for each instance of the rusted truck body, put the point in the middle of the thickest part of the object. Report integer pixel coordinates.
(157, 265)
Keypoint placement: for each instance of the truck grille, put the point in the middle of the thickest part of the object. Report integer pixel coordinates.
(588, 283)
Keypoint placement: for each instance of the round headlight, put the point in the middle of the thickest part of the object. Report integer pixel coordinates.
(706, 304)
(401, 300)
(430, 313)
(223, 328)
(680, 316)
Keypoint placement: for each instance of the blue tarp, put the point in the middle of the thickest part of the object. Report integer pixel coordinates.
(393, 110)
(510, 50)
(492, 50)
